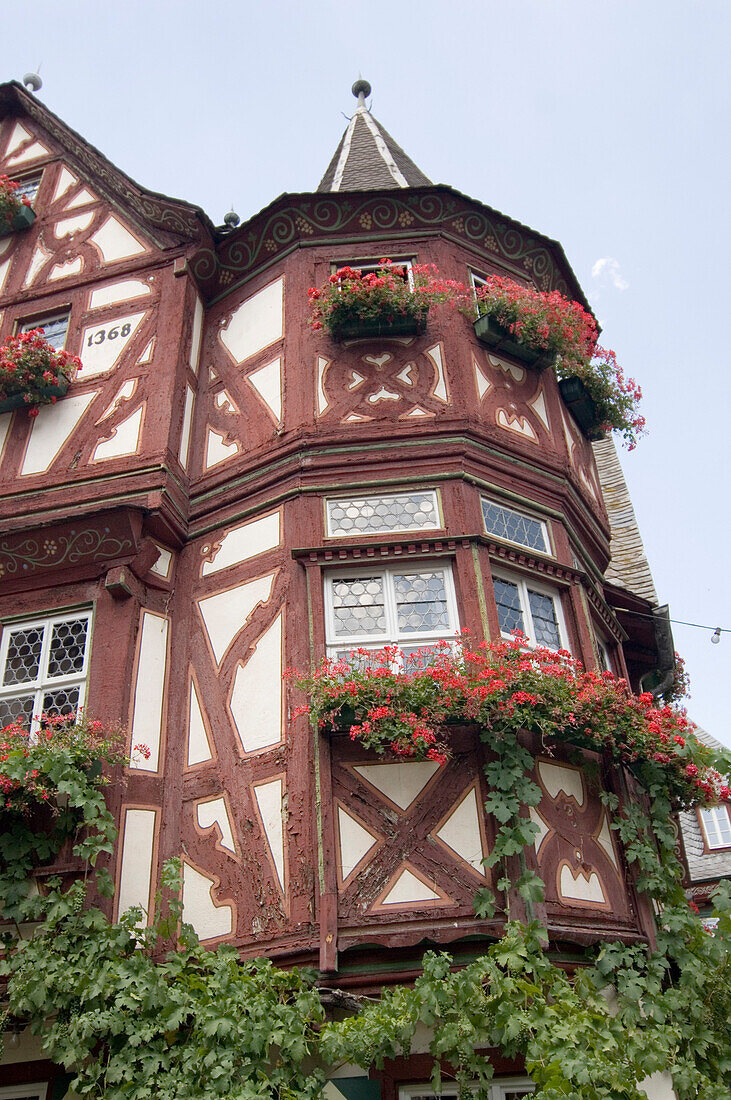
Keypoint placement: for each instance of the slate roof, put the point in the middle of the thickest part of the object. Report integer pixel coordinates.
(629, 567)
(368, 159)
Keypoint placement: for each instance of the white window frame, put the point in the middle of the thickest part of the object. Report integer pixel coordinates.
(375, 497)
(43, 683)
(366, 265)
(47, 319)
(524, 584)
(497, 1091)
(548, 549)
(716, 843)
(603, 652)
(391, 636)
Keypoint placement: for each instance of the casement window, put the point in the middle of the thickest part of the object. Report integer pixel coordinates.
(417, 510)
(27, 188)
(530, 607)
(44, 664)
(716, 823)
(55, 326)
(24, 1092)
(514, 526)
(412, 606)
(514, 1089)
(602, 652)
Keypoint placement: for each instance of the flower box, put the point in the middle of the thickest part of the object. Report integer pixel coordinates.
(488, 331)
(363, 328)
(581, 405)
(23, 219)
(17, 400)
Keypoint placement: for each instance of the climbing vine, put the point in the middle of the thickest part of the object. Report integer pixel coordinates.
(138, 1011)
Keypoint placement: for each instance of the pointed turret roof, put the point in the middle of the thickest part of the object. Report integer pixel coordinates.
(367, 158)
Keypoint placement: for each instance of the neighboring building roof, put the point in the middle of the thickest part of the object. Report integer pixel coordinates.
(629, 567)
(367, 158)
(703, 866)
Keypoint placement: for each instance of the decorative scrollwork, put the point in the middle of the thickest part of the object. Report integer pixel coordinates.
(37, 552)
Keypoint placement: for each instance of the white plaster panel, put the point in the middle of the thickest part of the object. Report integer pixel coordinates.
(115, 242)
(53, 426)
(217, 451)
(215, 813)
(402, 783)
(4, 269)
(482, 381)
(244, 542)
(125, 391)
(322, 402)
(516, 372)
(256, 696)
(226, 613)
(163, 564)
(124, 441)
(76, 223)
(147, 353)
(73, 266)
(581, 888)
(208, 919)
(355, 842)
(461, 832)
(33, 152)
(199, 748)
(416, 411)
(543, 829)
(195, 340)
(39, 257)
(539, 405)
(659, 1086)
(150, 687)
(65, 181)
(440, 389)
(517, 424)
(99, 351)
(135, 875)
(256, 324)
(83, 198)
(604, 838)
(122, 291)
(4, 426)
(16, 139)
(406, 888)
(557, 778)
(267, 381)
(187, 426)
(269, 800)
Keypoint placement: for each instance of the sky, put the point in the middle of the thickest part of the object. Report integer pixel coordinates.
(600, 123)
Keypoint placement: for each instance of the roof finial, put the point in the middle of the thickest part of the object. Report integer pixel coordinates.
(361, 89)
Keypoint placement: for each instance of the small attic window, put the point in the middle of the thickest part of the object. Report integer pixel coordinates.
(55, 326)
(28, 188)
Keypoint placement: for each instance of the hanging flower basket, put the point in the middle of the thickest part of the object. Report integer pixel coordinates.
(391, 301)
(490, 332)
(15, 213)
(582, 407)
(33, 372)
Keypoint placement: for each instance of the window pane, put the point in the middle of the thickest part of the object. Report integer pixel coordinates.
(16, 708)
(394, 512)
(61, 701)
(509, 611)
(545, 624)
(514, 526)
(421, 602)
(68, 646)
(27, 188)
(54, 329)
(24, 655)
(358, 606)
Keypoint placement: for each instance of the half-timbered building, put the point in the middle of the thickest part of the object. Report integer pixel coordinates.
(224, 493)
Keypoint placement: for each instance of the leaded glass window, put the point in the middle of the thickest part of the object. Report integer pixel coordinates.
(54, 328)
(531, 609)
(27, 188)
(44, 665)
(390, 606)
(412, 511)
(514, 526)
